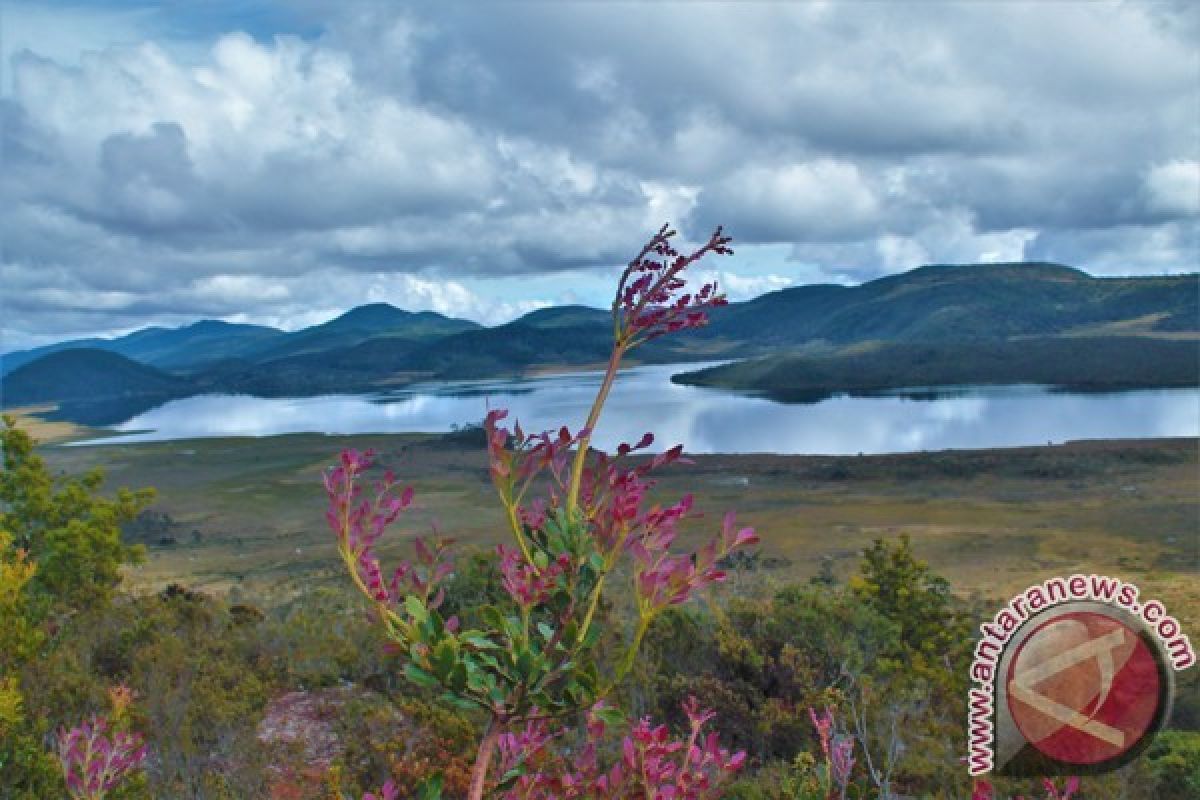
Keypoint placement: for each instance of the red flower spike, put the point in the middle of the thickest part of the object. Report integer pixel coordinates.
(646, 304)
(359, 523)
(93, 762)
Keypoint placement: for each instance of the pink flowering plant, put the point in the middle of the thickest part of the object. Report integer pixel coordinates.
(983, 790)
(532, 661)
(95, 759)
(650, 762)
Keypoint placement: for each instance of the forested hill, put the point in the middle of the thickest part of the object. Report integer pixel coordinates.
(86, 374)
(938, 303)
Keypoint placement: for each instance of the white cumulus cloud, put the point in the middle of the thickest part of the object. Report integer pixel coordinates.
(1174, 187)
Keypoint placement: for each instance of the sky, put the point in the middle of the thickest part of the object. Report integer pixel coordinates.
(281, 162)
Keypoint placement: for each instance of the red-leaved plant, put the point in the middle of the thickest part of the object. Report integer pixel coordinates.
(651, 762)
(983, 790)
(98, 754)
(533, 661)
(838, 751)
(93, 762)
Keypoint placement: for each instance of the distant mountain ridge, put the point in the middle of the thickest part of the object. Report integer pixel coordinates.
(379, 346)
(209, 341)
(362, 324)
(168, 348)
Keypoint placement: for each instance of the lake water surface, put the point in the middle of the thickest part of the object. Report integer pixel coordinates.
(704, 420)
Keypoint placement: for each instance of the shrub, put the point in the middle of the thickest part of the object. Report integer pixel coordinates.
(531, 662)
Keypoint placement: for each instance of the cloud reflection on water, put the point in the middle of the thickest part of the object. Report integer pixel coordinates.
(704, 420)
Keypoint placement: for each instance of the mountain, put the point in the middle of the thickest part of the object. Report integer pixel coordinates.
(210, 342)
(17, 358)
(86, 374)
(570, 336)
(202, 342)
(1102, 363)
(376, 320)
(975, 301)
(565, 317)
(188, 347)
(551, 337)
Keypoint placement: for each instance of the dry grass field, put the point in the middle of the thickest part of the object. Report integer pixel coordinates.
(247, 514)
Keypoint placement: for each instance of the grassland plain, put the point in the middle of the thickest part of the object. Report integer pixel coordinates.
(246, 514)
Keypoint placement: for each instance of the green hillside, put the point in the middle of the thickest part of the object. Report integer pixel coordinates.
(17, 358)
(376, 320)
(934, 303)
(200, 343)
(565, 317)
(85, 375)
(512, 349)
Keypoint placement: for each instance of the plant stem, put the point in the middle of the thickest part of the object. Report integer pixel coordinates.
(614, 361)
(631, 654)
(483, 760)
(518, 533)
(592, 603)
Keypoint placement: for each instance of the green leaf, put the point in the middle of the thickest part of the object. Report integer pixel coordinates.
(509, 779)
(591, 637)
(431, 788)
(478, 640)
(444, 658)
(415, 608)
(476, 677)
(458, 701)
(525, 663)
(613, 717)
(587, 679)
(512, 628)
(419, 676)
(492, 617)
(458, 677)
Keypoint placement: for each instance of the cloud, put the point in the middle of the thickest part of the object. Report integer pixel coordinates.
(1174, 187)
(300, 305)
(283, 161)
(737, 287)
(819, 200)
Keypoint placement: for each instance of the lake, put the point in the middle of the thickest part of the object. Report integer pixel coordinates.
(704, 420)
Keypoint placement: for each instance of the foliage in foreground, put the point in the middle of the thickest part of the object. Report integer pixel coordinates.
(60, 553)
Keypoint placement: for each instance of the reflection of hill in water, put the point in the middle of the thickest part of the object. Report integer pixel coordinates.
(930, 394)
(107, 412)
(806, 397)
(911, 369)
(492, 390)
